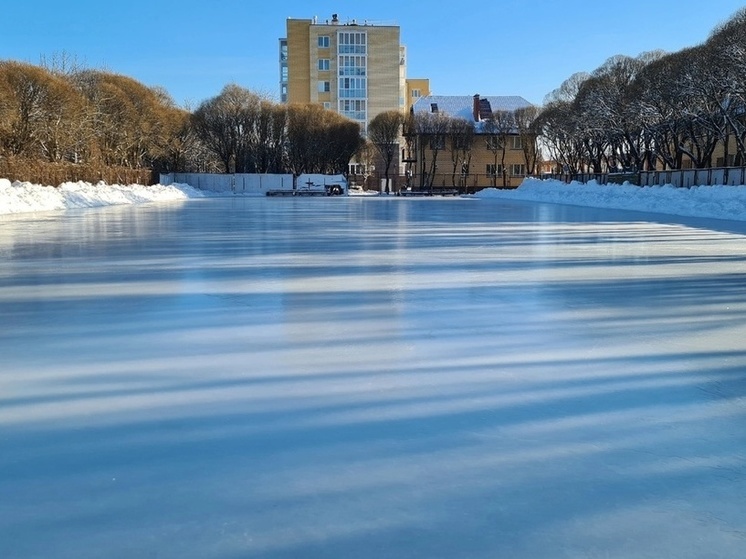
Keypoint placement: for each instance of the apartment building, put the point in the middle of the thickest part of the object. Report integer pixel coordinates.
(356, 68)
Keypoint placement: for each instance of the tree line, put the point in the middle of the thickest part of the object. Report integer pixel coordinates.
(60, 115)
(656, 110)
(632, 113)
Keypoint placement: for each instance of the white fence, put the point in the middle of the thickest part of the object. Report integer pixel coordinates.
(258, 184)
(238, 183)
(726, 176)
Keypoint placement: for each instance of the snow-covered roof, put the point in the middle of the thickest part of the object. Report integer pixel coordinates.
(462, 106)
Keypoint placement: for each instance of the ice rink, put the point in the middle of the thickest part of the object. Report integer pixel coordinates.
(371, 378)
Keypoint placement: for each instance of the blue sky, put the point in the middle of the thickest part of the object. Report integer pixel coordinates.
(505, 47)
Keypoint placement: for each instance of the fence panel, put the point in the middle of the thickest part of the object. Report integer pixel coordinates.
(685, 178)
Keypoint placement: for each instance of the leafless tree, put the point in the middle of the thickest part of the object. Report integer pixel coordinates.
(320, 141)
(35, 109)
(526, 122)
(499, 128)
(461, 139)
(384, 132)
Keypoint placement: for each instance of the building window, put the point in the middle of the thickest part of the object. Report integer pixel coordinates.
(324, 87)
(437, 142)
(323, 41)
(323, 64)
(494, 170)
(355, 109)
(352, 42)
(433, 107)
(517, 143)
(327, 105)
(518, 170)
(284, 74)
(353, 88)
(460, 142)
(352, 65)
(416, 93)
(493, 143)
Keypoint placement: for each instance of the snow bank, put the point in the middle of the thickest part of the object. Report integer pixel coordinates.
(720, 202)
(21, 197)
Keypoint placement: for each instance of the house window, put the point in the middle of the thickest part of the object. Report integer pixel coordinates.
(323, 64)
(493, 143)
(517, 143)
(460, 142)
(416, 93)
(433, 107)
(437, 142)
(324, 87)
(494, 170)
(327, 105)
(323, 41)
(518, 170)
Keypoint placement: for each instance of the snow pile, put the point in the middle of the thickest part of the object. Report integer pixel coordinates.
(719, 202)
(21, 197)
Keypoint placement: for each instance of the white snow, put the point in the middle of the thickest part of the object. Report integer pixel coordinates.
(719, 202)
(20, 197)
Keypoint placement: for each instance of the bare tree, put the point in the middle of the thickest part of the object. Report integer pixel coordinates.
(37, 110)
(526, 122)
(226, 124)
(461, 140)
(559, 130)
(384, 132)
(499, 128)
(320, 141)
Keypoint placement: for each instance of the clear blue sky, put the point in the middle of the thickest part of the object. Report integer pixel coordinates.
(507, 47)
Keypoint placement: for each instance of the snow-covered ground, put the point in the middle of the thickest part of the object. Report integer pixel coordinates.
(438, 378)
(21, 197)
(720, 202)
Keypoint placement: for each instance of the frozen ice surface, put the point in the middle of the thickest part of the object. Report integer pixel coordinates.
(370, 378)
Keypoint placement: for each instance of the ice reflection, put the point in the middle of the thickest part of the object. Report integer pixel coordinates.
(370, 378)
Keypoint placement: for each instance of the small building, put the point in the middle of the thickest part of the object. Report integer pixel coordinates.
(469, 142)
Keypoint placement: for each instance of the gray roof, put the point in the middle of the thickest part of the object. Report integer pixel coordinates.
(462, 106)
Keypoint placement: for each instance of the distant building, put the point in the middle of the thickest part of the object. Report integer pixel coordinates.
(356, 68)
(495, 152)
(416, 88)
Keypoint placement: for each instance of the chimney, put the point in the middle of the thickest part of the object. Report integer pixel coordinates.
(475, 108)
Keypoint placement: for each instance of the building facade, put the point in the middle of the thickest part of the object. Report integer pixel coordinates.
(468, 143)
(357, 69)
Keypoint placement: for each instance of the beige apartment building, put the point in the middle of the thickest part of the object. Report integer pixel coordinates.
(356, 68)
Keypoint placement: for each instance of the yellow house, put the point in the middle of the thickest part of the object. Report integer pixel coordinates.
(484, 148)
